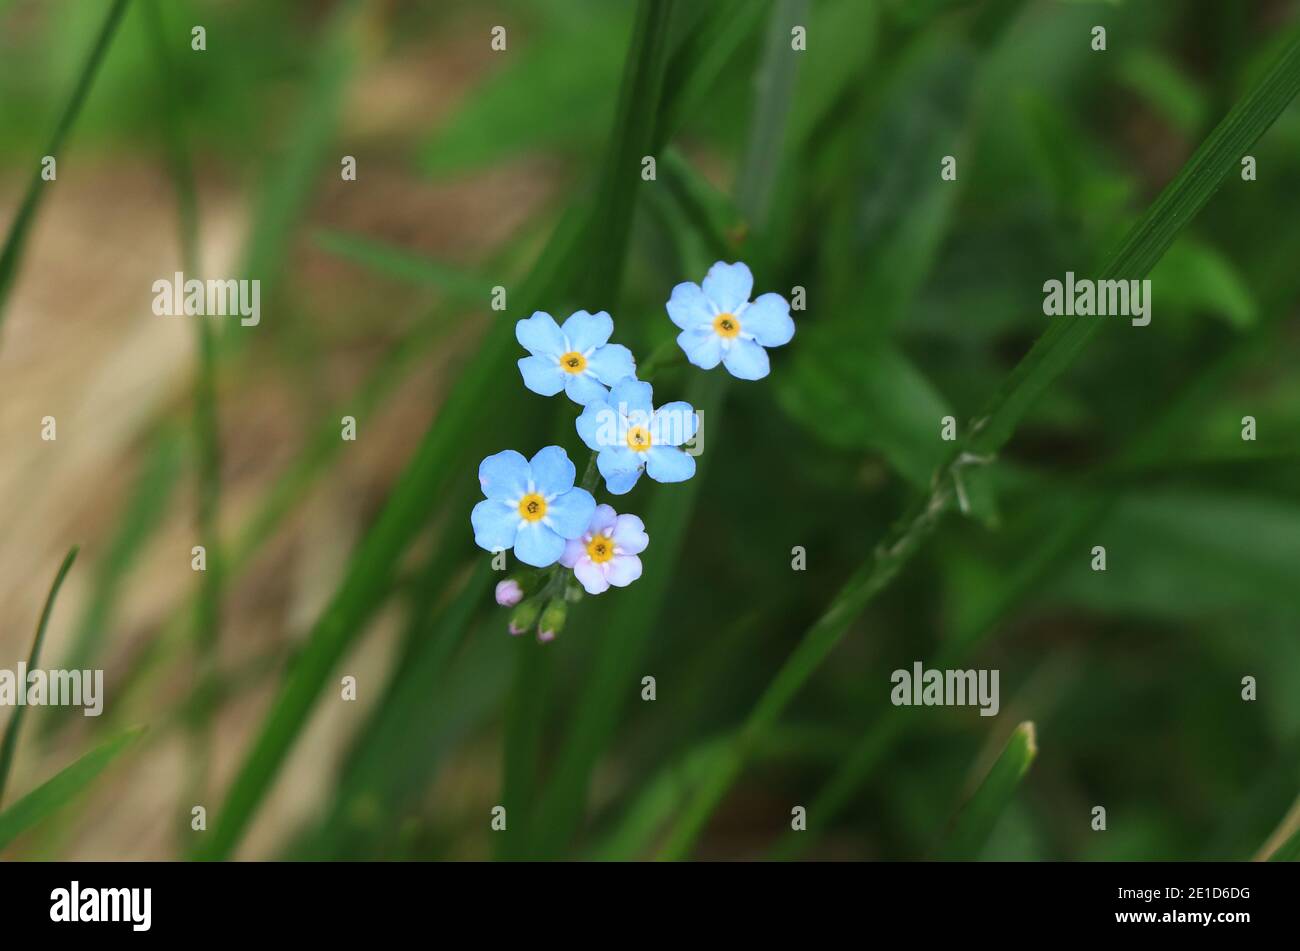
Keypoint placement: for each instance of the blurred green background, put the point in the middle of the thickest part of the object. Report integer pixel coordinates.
(521, 168)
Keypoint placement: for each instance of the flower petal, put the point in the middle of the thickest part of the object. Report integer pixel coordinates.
(574, 551)
(746, 360)
(674, 424)
(495, 524)
(630, 535)
(728, 286)
(537, 545)
(620, 467)
(666, 464)
(552, 471)
(540, 335)
(688, 306)
(612, 364)
(569, 514)
(504, 475)
(702, 347)
(597, 424)
(586, 331)
(768, 320)
(591, 577)
(542, 375)
(603, 519)
(622, 570)
(582, 388)
(632, 396)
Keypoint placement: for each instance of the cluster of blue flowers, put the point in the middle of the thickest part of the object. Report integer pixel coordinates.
(533, 506)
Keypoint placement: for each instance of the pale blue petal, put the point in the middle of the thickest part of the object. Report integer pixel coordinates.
(688, 307)
(746, 360)
(702, 347)
(768, 320)
(538, 546)
(666, 464)
(728, 286)
(495, 524)
(540, 335)
(612, 364)
(632, 396)
(621, 483)
(674, 424)
(569, 513)
(552, 471)
(620, 467)
(597, 421)
(504, 475)
(542, 375)
(587, 331)
(583, 389)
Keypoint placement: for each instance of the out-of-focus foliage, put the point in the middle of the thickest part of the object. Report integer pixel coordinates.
(921, 294)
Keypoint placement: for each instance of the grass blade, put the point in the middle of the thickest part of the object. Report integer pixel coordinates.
(11, 254)
(974, 823)
(10, 744)
(57, 792)
(395, 262)
(581, 238)
(1050, 356)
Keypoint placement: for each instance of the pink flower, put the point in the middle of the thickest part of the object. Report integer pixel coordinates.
(606, 554)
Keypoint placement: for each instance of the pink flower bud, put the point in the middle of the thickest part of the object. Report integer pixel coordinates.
(509, 593)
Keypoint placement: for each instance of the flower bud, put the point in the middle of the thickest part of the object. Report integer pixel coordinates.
(524, 616)
(552, 621)
(509, 593)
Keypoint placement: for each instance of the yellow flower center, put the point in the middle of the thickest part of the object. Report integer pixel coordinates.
(600, 549)
(638, 439)
(573, 362)
(532, 507)
(725, 325)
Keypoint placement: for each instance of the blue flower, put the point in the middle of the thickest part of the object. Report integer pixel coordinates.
(630, 436)
(576, 357)
(720, 324)
(531, 505)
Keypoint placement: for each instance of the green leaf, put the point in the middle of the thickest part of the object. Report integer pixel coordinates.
(10, 744)
(1196, 278)
(1050, 356)
(974, 823)
(514, 111)
(867, 399)
(16, 241)
(55, 793)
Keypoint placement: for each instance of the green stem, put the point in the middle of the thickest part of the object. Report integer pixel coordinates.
(1054, 351)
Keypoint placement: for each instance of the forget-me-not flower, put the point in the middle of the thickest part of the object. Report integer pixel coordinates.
(630, 436)
(719, 323)
(576, 357)
(606, 553)
(531, 505)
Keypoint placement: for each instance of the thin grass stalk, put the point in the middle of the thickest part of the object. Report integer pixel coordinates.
(12, 252)
(1050, 356)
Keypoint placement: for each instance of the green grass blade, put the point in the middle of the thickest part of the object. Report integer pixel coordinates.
(55, 793)
(11, 254)
(385, 259)
(974, 823)
(637, 613)
(1050, 356)
(10, 744)
(145, 510)
(449, 442)
(1288, 851)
